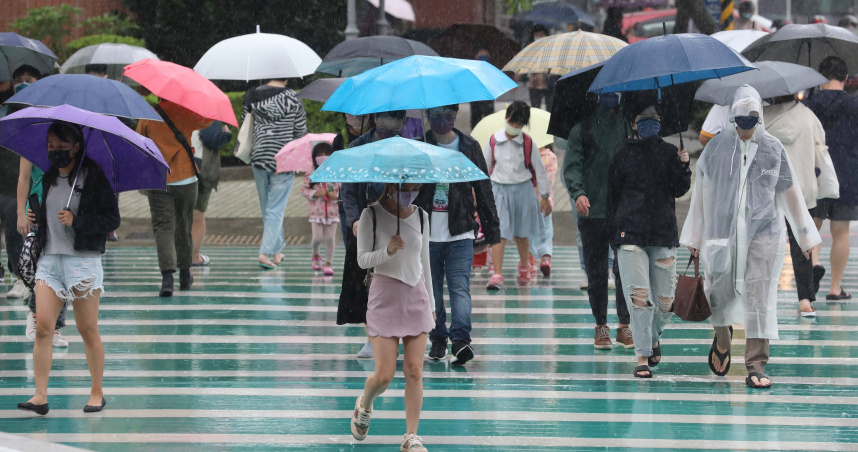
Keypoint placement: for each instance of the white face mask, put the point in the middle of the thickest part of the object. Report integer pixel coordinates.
(513, 131)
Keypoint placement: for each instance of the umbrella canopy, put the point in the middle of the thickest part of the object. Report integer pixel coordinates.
(572, 102)
(322, 89)
(16, 51)
(183, 87)
(115, 56)
(419, 82)
(558, 13)
(464, 40)
(668, 60)
(559, 54)
(739, 40)
(537, 129)
(399, 9)
(258, 56)
(297, 154)
(355, 56)
(86, 92)
(129, 160)
(774, 79)
(806, 45)
(398, 160)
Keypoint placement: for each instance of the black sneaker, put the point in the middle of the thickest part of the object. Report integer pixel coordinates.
(186, 279)
(166, 285)
(462, 353)
(438, 350)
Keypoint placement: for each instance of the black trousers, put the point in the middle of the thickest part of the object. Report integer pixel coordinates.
(9, 221)
(480, 110)
(803, 270)
(596, 236)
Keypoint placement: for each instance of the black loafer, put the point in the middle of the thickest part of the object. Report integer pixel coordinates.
(186, 279)
(38, 409)
(93, 408)
(166, 285)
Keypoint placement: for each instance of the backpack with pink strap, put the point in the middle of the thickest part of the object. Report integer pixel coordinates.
(528, 148)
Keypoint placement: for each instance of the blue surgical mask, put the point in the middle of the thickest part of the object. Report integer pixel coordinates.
(405, 198)
(21, 86)
(483, 58)
(747, 16)
(609, 101)
(747, 122)
(648, 128)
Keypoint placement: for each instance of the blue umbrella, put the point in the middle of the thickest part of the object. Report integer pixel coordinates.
(129, 160)
(668, 60)
(95, 94)
(16, 50)
(558, 12)
(419, 82)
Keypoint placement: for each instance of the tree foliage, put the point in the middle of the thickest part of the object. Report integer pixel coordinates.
(110, 24)
(49, 24)
(182, 30)
(514, 6)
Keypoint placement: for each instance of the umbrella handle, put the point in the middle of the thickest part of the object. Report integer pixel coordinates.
(76, 174)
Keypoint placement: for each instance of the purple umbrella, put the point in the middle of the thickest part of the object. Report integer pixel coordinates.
(129, 160)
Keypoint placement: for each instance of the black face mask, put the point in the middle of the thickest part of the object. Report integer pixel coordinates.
(61, 158)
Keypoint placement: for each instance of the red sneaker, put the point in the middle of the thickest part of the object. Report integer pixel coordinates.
(495, 282)
(545, 266)
(523, 275)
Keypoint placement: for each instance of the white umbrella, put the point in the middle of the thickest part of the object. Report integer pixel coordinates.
(738, 40)
(399, 9)
(258, 56)
(115, 56)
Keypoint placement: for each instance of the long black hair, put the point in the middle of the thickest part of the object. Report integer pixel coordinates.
(320, 149)
(70, 133)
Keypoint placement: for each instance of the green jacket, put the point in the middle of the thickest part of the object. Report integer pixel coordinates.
(585, 170)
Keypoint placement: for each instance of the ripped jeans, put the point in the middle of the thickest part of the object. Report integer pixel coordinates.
(645, 271)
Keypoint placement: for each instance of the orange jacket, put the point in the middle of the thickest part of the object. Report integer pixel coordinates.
(174, 153)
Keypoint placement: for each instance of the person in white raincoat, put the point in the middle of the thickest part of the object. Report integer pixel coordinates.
(744, 187)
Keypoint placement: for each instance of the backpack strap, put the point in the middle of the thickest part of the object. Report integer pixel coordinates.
(492, 143)
(180, 137)
(528, 163)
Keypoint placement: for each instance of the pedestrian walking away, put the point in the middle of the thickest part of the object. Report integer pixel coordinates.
(206, 143)
(78, 212)
(541, 247)
(324, 212)
(838, 112)
(278, 118)
(589, 152)
(393, 239)
(646, 176)
(744, 187)
(515, 168)
(451, 209)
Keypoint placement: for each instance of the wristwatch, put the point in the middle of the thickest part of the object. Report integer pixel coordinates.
(389, 253)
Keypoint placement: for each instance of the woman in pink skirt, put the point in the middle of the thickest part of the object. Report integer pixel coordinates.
(401, 304)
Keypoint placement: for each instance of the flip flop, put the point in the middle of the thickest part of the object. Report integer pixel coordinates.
(656, 354)
(843, 296)
(818, 274)
(643, 368)
(721, 357)
(807, 313)
(267, 266)
(205, 260)
(751, 384)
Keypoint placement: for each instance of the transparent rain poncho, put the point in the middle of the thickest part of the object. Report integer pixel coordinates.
(742, 192)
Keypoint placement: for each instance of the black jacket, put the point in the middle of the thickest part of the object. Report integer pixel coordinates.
(97, 216)
(354, 197)
(461, 202)
(645, 178)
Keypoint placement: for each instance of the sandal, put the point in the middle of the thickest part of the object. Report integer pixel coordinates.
(643, 368)
(721, 357)
(811, 313)
(655, 358)
(759, 377)
(818, 274)
(843, 296)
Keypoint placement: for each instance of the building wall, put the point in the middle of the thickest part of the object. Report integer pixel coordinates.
(443, 13)
(10, 10)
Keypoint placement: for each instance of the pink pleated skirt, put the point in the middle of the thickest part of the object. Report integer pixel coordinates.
(396, 309)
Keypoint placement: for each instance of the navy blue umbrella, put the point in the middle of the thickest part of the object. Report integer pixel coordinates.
(557, 13)
(86, 92)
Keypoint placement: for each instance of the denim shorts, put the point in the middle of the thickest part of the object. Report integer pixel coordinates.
(64, 273)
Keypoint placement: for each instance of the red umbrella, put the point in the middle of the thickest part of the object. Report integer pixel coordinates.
(182, 86)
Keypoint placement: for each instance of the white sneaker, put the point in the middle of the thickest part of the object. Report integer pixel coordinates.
(412, 443)
(360, 421)
(366, 351)
(31, 327)
(612, 285)
(19, 290)
(58, 339)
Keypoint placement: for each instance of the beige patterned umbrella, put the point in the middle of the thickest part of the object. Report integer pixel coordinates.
(562, 53)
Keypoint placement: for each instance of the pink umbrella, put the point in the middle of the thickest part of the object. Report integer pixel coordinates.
(296, 155)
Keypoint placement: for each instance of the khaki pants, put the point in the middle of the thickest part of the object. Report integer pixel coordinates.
(756, 350)
(172, 213)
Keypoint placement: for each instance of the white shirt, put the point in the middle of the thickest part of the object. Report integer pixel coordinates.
(440, 231)
(716, 120)
(509, 166)
(407, 265)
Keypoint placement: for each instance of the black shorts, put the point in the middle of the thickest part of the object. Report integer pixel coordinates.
(831, 209)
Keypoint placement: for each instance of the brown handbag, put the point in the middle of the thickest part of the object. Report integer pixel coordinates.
(690, 301)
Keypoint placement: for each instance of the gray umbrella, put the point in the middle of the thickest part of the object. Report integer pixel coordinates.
(114, 56)
(806, 45)
(774, 79)
(355, 56)
(321, 90)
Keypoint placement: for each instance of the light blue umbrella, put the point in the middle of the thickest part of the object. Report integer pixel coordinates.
(419, 82)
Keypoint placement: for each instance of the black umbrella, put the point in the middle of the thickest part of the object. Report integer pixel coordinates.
(321, 89)
(465, 40)
(354, 56)
(806, 45)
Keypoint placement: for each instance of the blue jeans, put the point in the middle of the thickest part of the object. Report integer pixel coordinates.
(273, 190)
(648, 273)
(452, 259)
(541, 244)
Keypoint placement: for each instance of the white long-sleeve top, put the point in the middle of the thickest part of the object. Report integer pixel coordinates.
(509, 163)
(406, 265)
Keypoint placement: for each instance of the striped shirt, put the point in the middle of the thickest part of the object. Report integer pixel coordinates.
(278, 118)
